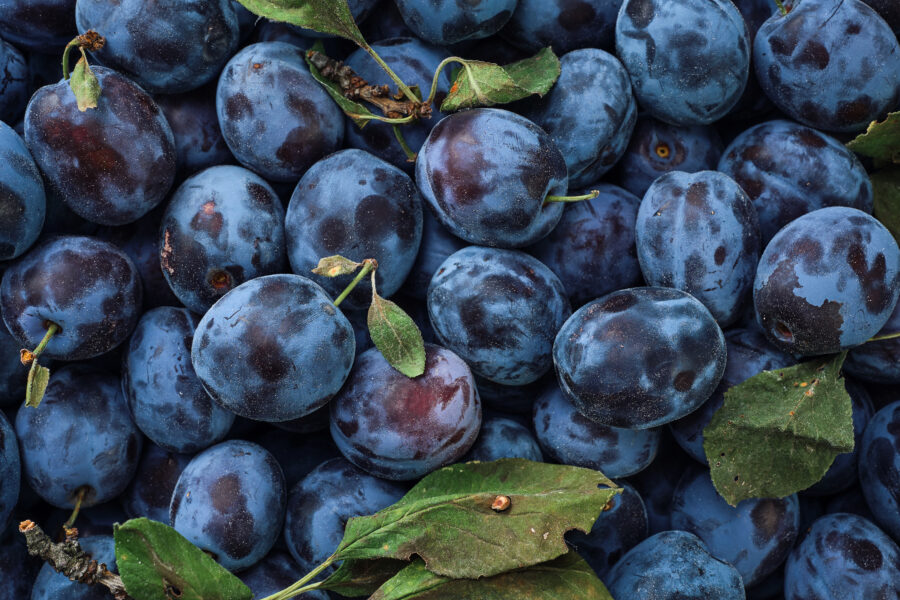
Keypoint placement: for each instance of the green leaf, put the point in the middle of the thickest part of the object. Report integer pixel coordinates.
(886, 188)
(324, 16)
(354, 110)
(486, 84)
(569, 576)
(779, 431)
(84, 85)
(38, 378)
(447, 518)
(881, 141)
(335, 266)
(158, 563)
(362, 577)
(396, 336)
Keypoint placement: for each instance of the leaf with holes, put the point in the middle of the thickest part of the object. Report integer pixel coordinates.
(880, 142)
(158, 563)
(778, 432)
(396, 336)
(324, 16)
(448, 521)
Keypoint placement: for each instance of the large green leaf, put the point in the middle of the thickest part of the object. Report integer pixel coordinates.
(396, 336)
(881, 141)
(778, 432)
(158, 563)
(568, 577)
(447, 517)
(362, 577)
(886, 188)
(324, 16)
(480, 83)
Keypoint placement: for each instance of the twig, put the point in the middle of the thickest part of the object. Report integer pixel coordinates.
(70, 559)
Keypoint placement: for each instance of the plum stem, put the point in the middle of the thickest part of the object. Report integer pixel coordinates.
(90, 40)
(400, 85)
(882, 338)
(437, 73)
(781, 7)
(369, 265)
(37, 375)
(29, 357)
(299, 587)
(410, 155)
(590, 196)
(79, 500)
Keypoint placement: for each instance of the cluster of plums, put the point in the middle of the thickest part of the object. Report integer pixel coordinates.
(202, 376)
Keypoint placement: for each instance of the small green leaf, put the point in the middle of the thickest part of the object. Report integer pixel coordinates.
(324, 16)
(881, 141)
(158, 563)
(354, 110)
(448, 521)
(569, 576)
(335, 266)
(486, 84)
(84, 85)
(886, 189)
(38, 378)
(396, 336)
(779, 431)
(362, 577)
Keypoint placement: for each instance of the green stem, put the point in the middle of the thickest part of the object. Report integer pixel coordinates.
(781, 8)
(79, 499)
(300, 586)
(437, 73)
(76, 43)
(402, 86)
(400, 121)
(368, 265)
(410, 155)
(887, 336)
(52, 330)
(590, 196)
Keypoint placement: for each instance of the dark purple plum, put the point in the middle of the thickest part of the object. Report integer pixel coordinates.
(273, 349)
(276, 119)
(565, 25)
(356, 205)
(51, 585)
(13, 84)
(827, 282)
(445, 22)
(230, 501)
(399, 428)
(384, 23)
(878, 362)
(298, 453)
(499, 310)
(150, 492)
(80, 435)
(10, 472)
(789, 169)
(320, 505)
(504, 438)
(513, 399)
(570, 438)
(38, 25)
(657, 482)
(486, 174)
(879, 467)
(807, 61)
(23, 204)
(165, 397)
(639, 358)
(90, 288)
(657, 148)
(699, 233)
(222, 227)
(437, 244)
(110, 165)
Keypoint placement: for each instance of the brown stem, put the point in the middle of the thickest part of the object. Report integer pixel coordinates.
(356, 88)
(71, 560)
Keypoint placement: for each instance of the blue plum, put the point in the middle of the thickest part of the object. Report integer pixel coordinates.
(504, 438)
(620, 527)
(748, 353)
(843, 556)
(110, 165)
(38, 25)
(399, 428)
(657, 482)
(150, 492)
(486, 174)
(415, 63)
(320, 505)
(22, 200)
(565, 25)
(51, 585)
(355, 204)
(167, 46)
(879, 467)
(699, 233)
(807, 61)
(570, 438)
(222, 227)
(273, 349)
(90, 288)
(499, 310)
(18, 569)
(276, 119)
(12, 375)
(640, 357)
(827, 282)
(437, 244)
(10, 472)
(878, 362)
(165, 397)
(590, 113)
(14, 84)
(230, 501)
(755, 537)
(80, 435)
(385, 23)
(789, 169)
(688, 61)
(445, 22)
(673, 565)
(657, 148)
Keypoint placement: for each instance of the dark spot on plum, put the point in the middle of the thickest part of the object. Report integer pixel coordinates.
(813, 54)
(862, 552)
(872, 281)
(696, 195)
(236, 528)
(575, 14)
(618, 303)
(237, 107)
(719, 255)
(684, 380)
(641, 12)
